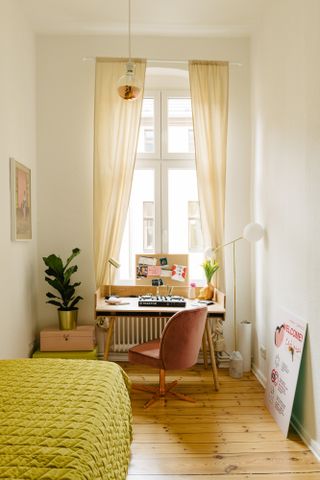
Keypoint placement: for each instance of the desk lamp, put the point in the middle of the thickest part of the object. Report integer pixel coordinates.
(112, 263)
(251, 232)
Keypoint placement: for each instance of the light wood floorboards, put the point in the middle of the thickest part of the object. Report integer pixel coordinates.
(227, 434)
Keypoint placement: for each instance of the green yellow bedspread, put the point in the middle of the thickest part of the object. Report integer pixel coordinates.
(64, 419)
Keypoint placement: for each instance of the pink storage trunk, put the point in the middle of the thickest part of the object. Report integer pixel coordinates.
(55, 340)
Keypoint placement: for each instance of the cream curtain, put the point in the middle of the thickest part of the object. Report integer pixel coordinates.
(116, 128)
(209, 84)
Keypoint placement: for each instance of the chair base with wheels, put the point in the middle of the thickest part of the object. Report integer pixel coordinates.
(178, 348)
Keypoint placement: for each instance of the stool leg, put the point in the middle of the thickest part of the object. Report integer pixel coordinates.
(108, 338)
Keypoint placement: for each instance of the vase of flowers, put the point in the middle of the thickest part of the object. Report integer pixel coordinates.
(210, 266)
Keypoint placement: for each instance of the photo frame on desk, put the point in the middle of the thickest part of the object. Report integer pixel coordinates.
(21, 226)
(173, 269)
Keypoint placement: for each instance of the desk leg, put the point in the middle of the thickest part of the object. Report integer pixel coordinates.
(109, 333)
(204, 351)
(212, 356)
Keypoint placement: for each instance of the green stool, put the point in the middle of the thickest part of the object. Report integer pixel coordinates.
(84, 355)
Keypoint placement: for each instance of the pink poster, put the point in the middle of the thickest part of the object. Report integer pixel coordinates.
(284, 365)
(154, 271)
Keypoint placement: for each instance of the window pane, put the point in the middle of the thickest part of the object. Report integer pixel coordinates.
(179, 107)
(146, 141)
(194, 227)
(148, 227)
(180, 129)
(184, 229)
(194, 209)
(139, 229)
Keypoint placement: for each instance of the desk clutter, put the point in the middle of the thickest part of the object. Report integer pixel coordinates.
(82, 338)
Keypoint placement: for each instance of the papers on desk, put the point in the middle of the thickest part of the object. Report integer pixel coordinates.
(116, 301)
(203, 302)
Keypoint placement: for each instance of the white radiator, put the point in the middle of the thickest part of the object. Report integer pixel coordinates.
(129, 331)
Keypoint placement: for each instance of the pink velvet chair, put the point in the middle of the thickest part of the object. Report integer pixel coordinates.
(177, 349)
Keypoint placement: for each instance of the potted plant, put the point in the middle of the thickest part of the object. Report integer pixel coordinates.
(58, 276)
(210, 266)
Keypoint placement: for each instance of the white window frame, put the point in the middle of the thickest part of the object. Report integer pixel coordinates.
(164, 118)
(156, 95)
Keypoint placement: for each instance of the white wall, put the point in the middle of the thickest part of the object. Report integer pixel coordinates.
(65, 128)
(18, 260)
(286, 106)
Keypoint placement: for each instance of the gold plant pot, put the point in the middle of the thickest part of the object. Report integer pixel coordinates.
(68, 319)
(207, 292)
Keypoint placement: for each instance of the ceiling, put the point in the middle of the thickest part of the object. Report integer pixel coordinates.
(152, 17)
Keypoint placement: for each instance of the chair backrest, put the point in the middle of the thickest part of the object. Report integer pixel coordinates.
(181, 338)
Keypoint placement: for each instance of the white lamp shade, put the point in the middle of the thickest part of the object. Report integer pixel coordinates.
(253, 232)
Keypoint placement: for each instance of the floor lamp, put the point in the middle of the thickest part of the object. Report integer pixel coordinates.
(112, 263)
(251, 232)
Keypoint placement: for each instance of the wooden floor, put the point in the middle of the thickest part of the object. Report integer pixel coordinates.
(228, 433)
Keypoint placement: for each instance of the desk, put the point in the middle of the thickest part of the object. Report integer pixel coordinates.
(130, 307)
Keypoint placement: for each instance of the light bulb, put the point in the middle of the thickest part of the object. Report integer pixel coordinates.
(129, 88)
(253, 232)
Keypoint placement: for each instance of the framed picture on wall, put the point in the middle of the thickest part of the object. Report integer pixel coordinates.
(21, 227)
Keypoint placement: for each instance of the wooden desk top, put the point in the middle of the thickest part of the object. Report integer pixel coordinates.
(130, 304)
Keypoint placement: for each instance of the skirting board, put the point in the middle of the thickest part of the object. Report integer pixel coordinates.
(303, 434)
(312, 444)
(259, 375)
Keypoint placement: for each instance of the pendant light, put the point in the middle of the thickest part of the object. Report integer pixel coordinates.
(128, 86)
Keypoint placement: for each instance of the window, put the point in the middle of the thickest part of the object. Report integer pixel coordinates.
(177, 126)
(164, 214)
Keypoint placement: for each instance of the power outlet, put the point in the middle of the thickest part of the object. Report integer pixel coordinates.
(263, 352)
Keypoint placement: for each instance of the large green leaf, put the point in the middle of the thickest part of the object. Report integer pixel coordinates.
(55, 264)
(75, 252)
(69, 272)
(75, 301)
(56, 284)
(68, 295)
(54, 302)
(50, 295)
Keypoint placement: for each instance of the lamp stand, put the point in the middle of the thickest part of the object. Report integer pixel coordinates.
(251, 232)
(234, 295)
(233, 242)
(110, 280)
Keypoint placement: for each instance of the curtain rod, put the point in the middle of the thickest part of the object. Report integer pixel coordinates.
(179, 62)
(185, 62)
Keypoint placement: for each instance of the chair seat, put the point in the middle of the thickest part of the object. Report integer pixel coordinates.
(146, 354)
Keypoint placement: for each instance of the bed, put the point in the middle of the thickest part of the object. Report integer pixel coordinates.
(64, 419)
